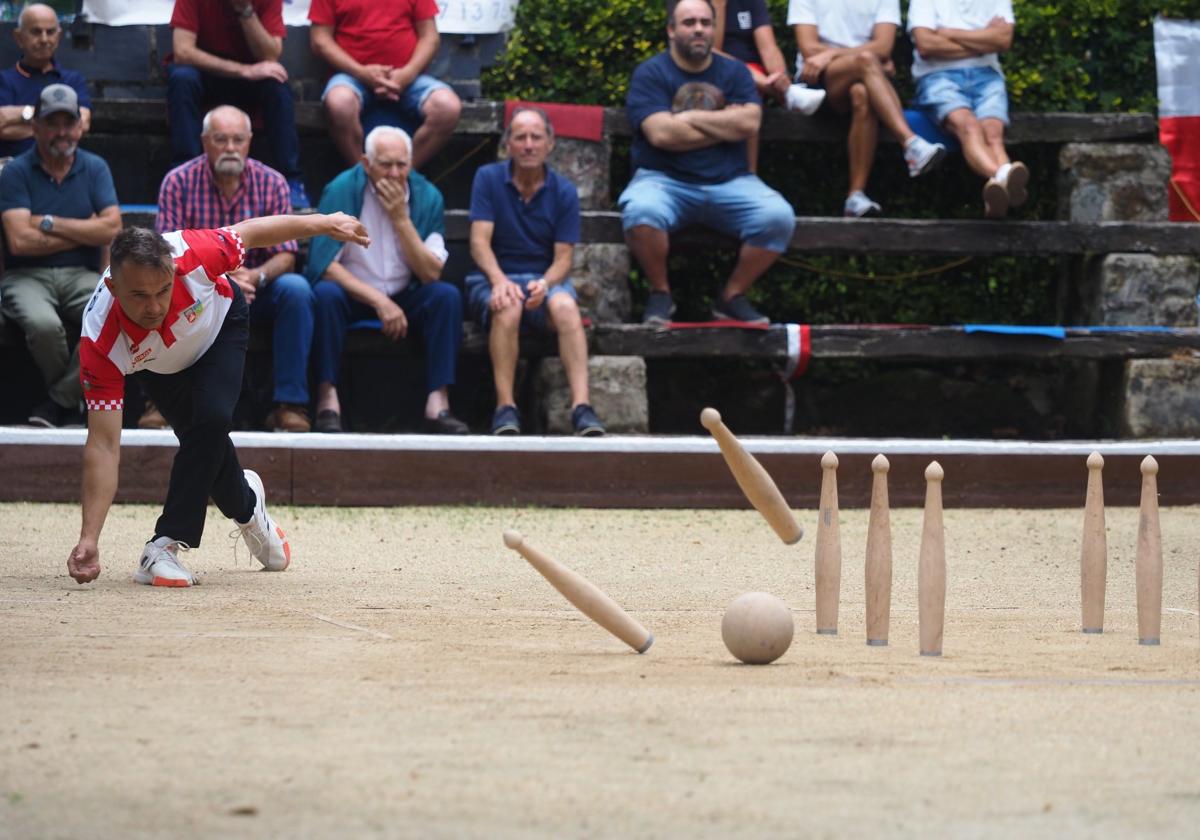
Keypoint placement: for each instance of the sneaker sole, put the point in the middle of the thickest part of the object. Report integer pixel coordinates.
(590, 432)
(174, 583)
(995, 200)
(507, 431)
(1018, 180)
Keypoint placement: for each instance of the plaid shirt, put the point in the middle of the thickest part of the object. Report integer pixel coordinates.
(189, 200)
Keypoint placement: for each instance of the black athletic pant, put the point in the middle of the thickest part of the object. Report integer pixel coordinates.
(198, 402)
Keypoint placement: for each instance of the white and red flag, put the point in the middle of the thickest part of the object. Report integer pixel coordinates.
(1177, 55)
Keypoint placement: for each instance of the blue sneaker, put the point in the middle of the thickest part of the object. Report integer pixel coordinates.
(299, 195)
(506, 420)
(585, 421)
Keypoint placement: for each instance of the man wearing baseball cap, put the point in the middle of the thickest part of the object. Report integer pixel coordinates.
(59, 211)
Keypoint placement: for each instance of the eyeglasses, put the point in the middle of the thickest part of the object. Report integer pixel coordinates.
(223, 139)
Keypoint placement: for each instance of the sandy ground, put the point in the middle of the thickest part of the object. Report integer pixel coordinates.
(408, 676)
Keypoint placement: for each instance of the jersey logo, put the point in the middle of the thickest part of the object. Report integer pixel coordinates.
(743, 20)
(193, 312)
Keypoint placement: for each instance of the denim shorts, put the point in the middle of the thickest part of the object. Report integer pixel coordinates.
(405, 112)
(979, 89)
(479, 299)
(743, 207)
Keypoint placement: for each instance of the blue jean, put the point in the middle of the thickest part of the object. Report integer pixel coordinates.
(979, 89)
(288, 302)
(744, 207)
(434, 312)
(479, 299)
(374, 112)
(190, 92)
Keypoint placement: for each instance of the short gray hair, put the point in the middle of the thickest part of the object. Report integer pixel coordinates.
(206, 126)
(141, 246)
(385, 131)
(521, 109)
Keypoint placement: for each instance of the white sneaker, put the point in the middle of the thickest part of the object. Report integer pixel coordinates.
(264, 538)
(1015, 182)
(160, 566)
(995, 199)
(922, 156)
(804, 99)
(859, 206)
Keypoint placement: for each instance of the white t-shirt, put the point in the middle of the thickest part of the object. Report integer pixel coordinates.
(842, 23)
(382, 264)
(955, 14)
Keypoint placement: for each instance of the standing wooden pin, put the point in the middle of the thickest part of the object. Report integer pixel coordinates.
(828, 574)
(931, 573)
(585, 595)
(754, 480)
(1093, 563)
(1148, 569)
(879, 557)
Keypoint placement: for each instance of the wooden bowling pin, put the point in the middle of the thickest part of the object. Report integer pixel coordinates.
(879, 557)
(1093, 563)
(585, 595)
(754, 480)
(1148, 569)
(931, 573)
(828, 574)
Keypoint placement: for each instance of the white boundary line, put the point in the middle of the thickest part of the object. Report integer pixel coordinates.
(682, 445)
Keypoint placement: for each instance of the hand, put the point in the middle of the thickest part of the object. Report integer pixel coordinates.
(395, 323)
(375, 76)
(84, 562)
(997, 22)
(815, 66)
(535, 293)
(506, 293)
(247, 279)
(345, 228)
(776, 84)
(265, 70)
(393, 195)
(401, 77)
(889, 68)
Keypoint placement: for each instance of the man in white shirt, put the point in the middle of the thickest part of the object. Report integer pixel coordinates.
(394, 280)
(960, 84)
(844, 47)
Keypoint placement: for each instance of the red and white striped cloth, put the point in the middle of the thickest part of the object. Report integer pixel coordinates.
(1177, 54)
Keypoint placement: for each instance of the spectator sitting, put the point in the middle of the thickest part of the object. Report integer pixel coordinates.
(742, 30)
(38, 35)
(227, 52)
(59, 212)
(691, 112)
(225, 186)
(961, 86)
(379, 53)
(394, 279)
(524, 226)
(846, 50)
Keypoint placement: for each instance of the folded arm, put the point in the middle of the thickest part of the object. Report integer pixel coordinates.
(731, 124)
(996, 37)
(932, 45)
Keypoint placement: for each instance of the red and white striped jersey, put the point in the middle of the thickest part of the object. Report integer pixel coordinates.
(112, 346)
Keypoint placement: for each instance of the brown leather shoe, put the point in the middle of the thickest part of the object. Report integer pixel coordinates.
(152, 418)
(289, 418)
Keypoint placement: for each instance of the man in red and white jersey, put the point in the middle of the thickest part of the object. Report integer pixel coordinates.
(165, 310)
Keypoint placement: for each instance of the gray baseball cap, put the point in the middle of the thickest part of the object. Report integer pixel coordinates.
(57, 98)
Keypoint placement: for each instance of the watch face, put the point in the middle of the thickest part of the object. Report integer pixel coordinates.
(27, 113)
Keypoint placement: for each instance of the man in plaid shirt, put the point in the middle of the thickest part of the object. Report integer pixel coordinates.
(225, 186)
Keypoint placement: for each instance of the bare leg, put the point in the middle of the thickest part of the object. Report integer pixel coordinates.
(437, 402)
(993, 137)
(863, 137)
(866, 69)
(963, 125)
(327, 397)
(751, 264)
(503, 346)
(572, 345)
(650, 247)
(441, 109)
(342, 107)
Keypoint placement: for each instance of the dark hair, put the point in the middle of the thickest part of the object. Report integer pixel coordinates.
(671, 4)
(521, 109)
(141, 246)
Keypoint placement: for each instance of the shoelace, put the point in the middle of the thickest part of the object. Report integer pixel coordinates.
(172, 556)
(244, 532)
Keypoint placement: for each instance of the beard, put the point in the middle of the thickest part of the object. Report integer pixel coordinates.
(695, 50)
(63, 149)
(230, 165)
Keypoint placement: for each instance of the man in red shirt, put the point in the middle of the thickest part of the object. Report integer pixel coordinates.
(379, 53)
(226, 52)
(167, 311)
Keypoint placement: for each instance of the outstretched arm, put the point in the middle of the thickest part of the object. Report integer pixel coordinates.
(266, 231)
(101, 462)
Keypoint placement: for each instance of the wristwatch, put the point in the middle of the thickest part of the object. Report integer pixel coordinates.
(27, 113)
(262, 278)
(246, 12)
(47, 223)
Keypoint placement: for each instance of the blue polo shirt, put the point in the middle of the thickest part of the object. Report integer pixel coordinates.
(21, 85)
(525, 232)
(87, 189)
(651, 90)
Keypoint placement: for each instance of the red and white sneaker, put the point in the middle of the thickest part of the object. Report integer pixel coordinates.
(264, 538)
(160, 566)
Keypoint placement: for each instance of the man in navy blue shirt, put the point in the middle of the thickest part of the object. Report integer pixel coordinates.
(524, 226)
(59, 211)
(691, 165)
(38, 35)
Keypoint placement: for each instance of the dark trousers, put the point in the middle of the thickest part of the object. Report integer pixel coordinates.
(434, 312)
(190, 93)
(198, 402)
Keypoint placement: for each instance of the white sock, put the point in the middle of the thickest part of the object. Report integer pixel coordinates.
(911, 140)
(1002, 173)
